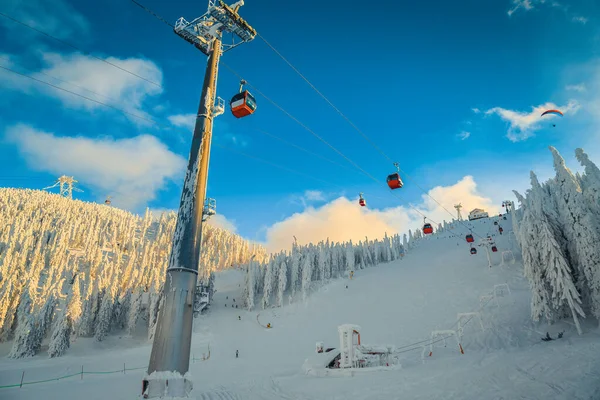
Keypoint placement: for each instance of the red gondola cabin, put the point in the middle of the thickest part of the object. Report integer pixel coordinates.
(494, 249)
(427, 229)
(473, 250)
(242, 104)
(394, 181)
(470, 238)
(362, 202)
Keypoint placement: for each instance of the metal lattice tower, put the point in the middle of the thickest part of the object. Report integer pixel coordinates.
(167, 374)
(509, 205)
(458, 207)
(66, 186)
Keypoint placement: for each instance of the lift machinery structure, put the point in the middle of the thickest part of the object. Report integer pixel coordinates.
(167, 375)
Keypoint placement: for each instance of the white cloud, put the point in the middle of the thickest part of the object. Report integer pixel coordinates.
(111, 85)
(314, 195)
(524, 124)
(7, 60)
(464, 135)
(476, 110)
(342, 219)
(131, 170)
(220, 221)
(57, 18)
(310, 196)
(187, 121)
(521, 4)
(528, 5)
(578, 88)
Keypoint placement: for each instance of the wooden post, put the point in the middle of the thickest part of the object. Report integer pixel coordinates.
(82, 372)
(22, 376)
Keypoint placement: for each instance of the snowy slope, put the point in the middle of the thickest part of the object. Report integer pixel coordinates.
(398, 304)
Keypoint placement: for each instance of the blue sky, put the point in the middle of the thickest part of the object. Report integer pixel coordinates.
(446, 89)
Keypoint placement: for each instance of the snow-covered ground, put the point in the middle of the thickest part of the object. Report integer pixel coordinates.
(399, 303)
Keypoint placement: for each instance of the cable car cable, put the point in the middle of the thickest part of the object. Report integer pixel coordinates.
(348, 120)
(256, 90)
(284, 111)
(323, 96)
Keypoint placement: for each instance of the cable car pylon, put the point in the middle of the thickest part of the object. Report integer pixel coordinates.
(167, 374)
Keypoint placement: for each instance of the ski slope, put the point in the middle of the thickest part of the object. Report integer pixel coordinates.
(399, 303)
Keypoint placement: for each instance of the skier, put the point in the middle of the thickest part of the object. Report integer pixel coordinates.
(236, 354)
(239, 317)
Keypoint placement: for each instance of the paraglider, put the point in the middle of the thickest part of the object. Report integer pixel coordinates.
(557, 112)
(553, 112)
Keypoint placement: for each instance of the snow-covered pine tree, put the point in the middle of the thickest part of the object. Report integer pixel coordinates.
(590, 182)
(554, 268)
(282, 279)
(268, 283)
(581, 230)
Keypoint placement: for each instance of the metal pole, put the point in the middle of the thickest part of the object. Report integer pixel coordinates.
(487, 252)
(173, 336)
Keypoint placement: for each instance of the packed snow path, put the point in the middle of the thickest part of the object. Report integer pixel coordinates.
(398, 303)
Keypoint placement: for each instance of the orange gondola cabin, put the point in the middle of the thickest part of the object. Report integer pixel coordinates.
(394, 181)
(470, 238)
(243, 103)
(427, 229)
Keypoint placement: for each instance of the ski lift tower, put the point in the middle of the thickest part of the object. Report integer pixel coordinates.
(167, 374)
(458, 207)
(66, 186)
(509, 206)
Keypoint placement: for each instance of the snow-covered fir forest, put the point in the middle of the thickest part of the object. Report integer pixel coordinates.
(558, 229)
(70, 268)
(288, 275)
